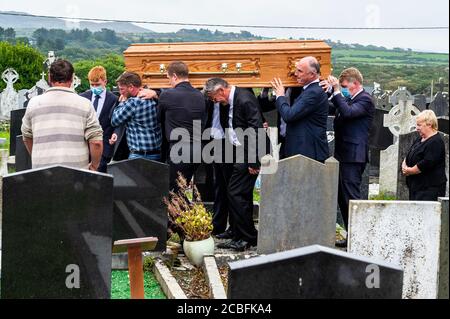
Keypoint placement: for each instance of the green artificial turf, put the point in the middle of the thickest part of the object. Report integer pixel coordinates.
(120, 286)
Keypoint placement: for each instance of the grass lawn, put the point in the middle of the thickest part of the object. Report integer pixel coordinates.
(120, 286)
(5, 134)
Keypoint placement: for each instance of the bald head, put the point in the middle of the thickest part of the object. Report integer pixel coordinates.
(312, 63)
(307, 70)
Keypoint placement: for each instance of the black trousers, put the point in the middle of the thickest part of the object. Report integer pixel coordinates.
(430, 193)
(222, 175)
(350, 176)
(240, 201)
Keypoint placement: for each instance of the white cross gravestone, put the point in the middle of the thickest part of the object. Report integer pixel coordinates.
(76, 82)
(9, 97)
(401, 119)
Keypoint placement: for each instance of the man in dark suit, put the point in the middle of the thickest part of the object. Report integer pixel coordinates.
(354, 111)
(240, 112)
(306, 119)
(182, 111)
(103, 102)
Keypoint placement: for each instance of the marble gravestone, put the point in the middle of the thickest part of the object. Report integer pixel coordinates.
(298, 205)
(23, 158)
(15, 129)
(404, 233)
(420, 101)
(380, 138)
(139, 188)
(330, 134)
(313, 272)
(56, 234)
(400, 120)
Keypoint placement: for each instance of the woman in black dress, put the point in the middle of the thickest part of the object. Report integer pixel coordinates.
(424, 165)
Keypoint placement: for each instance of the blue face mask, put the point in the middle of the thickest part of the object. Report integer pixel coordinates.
(346, 93)
(97, 90)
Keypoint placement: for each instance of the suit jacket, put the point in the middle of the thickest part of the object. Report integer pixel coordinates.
(352, 123)
(178, 108)
(246, 114)
(105, 120)
(306, 123)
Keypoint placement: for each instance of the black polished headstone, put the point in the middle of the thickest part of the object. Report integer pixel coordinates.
(139, 188)
(204, 181)
(57, 227)
(405, 141)
(23, 158)
(443, 124)
(15, 129)
(380, 137)
(313, 272)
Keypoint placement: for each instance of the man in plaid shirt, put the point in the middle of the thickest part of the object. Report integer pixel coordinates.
(140, 117)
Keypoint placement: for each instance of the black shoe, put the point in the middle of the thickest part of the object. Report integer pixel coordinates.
(225, 235)
(241, 245)
(342, 243)
(227, 245)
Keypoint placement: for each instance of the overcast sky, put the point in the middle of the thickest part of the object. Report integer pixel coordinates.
(350, 13)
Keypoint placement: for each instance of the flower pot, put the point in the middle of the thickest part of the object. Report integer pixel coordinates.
(195, 250)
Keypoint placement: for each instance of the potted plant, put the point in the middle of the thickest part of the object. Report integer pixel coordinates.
(192, 222)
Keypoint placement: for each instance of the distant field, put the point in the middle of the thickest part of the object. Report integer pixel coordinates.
(388, 57)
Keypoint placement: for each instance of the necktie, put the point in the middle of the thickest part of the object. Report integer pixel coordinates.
(97, 97)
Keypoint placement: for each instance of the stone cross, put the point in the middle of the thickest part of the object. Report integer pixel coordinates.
(401, 119)
(9, 97)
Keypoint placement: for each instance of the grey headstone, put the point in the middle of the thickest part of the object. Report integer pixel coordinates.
(293, 213)
(420, 101)
(404, 233)
(57, 227)
(312, 272)
(443, 263)
(23, 158)
(388, 170)
(22, 97)
(439, 104)
(139, 188)
(15, 129)
(405, 142)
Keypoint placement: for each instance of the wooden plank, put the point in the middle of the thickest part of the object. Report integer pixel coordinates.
(136, 272)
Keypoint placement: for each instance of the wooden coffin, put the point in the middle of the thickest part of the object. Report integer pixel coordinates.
(245, 64)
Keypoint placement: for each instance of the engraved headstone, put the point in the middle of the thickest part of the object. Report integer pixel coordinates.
(420, 101)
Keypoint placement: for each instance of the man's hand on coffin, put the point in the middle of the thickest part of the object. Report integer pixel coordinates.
(278, 86)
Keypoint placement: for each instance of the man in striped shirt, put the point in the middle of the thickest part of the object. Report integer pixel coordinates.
(60, 127)
(140, 117)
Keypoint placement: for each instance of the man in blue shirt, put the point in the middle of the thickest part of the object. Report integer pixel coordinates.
(140, 117)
